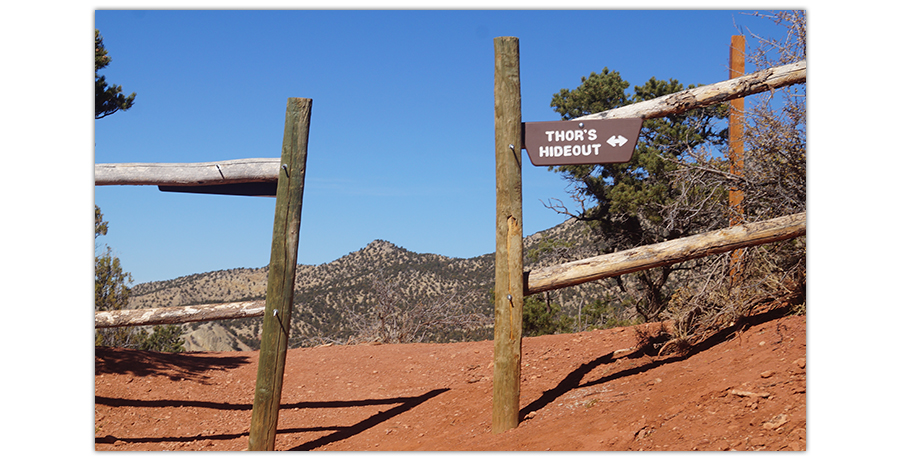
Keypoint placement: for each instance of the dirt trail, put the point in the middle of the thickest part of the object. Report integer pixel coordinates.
(744, 389)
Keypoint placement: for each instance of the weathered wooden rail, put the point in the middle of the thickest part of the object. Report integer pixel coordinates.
(699, 97)
(178, 315)
(665, 253)
(188, 173)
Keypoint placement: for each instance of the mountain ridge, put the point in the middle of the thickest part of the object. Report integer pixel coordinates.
(328, 294)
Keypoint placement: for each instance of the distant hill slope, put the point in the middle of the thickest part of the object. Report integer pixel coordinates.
(325, 294)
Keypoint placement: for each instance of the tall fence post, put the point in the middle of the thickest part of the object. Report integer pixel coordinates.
(736, 147)
(282, 268)
(509, 279)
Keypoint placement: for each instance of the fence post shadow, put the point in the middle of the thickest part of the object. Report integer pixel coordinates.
(572, 380)
(343, 433)
(340, 432)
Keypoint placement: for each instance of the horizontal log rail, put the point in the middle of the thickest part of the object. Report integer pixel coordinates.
(188, 174)
(664, 253)
(178, 315)
(763, 80)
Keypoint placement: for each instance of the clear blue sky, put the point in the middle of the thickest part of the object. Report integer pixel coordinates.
(401, 138)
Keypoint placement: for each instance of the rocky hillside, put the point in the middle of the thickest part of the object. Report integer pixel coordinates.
(325, 295)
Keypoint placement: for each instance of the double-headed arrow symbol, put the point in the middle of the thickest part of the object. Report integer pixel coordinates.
(617, 141)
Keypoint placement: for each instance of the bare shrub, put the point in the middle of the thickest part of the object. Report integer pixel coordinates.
(395, 319)
(724, 294)
(649, 337)
(727, 287)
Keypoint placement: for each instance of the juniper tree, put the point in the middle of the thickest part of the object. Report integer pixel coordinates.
(107, 98)
(111, 290)
(645, 200)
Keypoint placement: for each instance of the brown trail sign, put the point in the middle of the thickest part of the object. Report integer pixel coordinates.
(581, 142)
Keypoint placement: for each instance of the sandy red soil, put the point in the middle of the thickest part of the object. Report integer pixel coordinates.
(742, 389)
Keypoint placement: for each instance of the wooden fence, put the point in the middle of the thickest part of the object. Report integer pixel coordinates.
(511, 283)
(240, 171)
(509, 290)
(283, 178)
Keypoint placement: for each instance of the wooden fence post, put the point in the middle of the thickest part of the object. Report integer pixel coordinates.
(509, 279)
(280, 284)
(736, 148)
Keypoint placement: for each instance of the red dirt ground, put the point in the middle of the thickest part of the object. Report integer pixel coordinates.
(743, 389)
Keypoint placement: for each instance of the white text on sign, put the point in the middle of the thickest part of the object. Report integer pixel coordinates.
(575, 135)
(590, 142)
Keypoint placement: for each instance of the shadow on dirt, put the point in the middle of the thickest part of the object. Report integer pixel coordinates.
(115, 402)
(175, 366)
(339, 433)
(573, 380)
